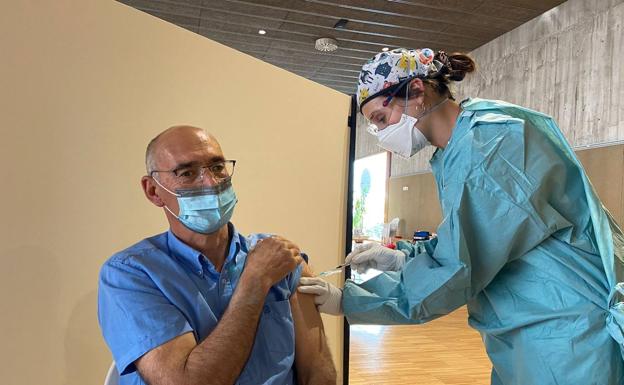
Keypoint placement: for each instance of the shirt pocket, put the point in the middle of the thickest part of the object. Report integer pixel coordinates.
(276, 330)
(273, 353)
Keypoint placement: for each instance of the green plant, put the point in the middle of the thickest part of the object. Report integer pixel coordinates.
(359, 207)
(358, 214)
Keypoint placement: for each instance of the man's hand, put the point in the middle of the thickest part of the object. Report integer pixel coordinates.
(271, 260)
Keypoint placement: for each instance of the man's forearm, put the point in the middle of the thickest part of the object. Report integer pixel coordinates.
(220, 358)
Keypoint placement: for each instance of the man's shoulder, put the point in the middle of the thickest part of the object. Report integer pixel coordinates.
(137, 253)
(251, 239)
(147, 261)
(284, 288)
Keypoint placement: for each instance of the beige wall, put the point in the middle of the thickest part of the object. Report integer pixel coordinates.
(605, 167)
(420, 209)
(85, 84)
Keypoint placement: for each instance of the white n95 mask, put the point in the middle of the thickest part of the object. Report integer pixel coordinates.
(403, 138)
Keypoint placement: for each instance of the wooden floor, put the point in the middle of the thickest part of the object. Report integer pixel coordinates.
(443, 352)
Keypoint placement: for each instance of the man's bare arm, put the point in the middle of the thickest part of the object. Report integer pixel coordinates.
(312, 356)
(220, 358)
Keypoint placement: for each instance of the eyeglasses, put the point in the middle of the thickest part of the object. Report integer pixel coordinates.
(377, 122)
(379, 119)
(193, 174)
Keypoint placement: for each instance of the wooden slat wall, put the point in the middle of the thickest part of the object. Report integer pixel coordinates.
(292, 26)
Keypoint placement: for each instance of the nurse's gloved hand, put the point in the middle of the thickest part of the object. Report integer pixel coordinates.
(328, 297)
(375, 256)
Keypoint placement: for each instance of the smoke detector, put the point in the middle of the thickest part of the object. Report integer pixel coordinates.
(326, 44)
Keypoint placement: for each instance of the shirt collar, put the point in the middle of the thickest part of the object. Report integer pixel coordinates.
(195, 259)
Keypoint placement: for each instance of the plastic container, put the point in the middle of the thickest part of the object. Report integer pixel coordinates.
(421, 236)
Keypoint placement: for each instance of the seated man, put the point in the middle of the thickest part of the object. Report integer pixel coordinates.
(200, 303)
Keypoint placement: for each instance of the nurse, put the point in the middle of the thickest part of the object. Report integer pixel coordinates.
(524, 240)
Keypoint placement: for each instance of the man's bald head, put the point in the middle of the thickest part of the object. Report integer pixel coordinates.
(171, 138)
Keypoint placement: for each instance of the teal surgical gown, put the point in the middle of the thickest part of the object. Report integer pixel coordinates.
(525, 243)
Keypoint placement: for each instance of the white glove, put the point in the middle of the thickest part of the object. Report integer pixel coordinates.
(328, 297)
(375, 256)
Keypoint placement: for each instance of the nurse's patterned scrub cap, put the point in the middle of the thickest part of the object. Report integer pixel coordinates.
(388, 69)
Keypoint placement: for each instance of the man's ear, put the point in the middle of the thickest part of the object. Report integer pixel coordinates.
(149, 189)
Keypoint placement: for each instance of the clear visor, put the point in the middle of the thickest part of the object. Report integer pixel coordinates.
(380, 119)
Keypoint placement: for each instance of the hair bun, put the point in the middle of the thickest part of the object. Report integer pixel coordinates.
(457, 65)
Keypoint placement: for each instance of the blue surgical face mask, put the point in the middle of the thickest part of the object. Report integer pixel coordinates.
(205, 209)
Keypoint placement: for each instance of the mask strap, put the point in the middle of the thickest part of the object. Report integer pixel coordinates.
(424, 113)
(407, 87)
(169, 191)
(400, 85)
(167, 208)
(435, 107)
(166, 189)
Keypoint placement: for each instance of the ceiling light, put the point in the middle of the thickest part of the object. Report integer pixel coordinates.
(326, 44)
(385, 49)
(262, 32)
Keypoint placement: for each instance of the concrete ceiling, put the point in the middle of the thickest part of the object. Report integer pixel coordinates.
(292, 26)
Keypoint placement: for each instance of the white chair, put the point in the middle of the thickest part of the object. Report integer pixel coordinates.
(112, 377)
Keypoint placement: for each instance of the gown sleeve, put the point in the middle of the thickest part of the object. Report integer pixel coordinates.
(490, 217)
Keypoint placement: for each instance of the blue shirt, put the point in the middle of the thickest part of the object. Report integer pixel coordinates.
(161, 288)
